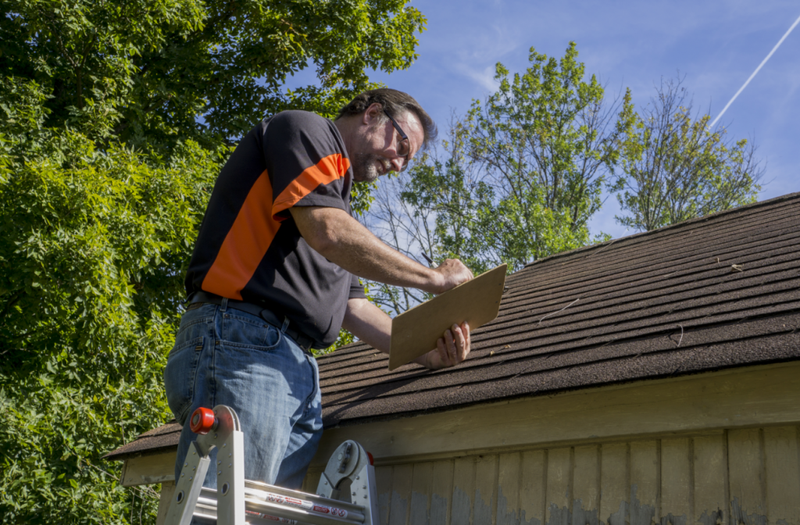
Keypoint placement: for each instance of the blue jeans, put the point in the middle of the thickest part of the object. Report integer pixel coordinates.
(230, 357)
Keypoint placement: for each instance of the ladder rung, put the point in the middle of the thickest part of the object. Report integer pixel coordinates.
(207, 508)
(253, 486)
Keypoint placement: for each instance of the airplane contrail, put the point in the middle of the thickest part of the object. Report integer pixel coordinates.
(755, 72)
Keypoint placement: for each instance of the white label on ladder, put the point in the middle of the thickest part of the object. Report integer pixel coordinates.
(303, 504)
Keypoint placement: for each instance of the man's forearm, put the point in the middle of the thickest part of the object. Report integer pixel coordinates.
(369, 323)
(346, 242)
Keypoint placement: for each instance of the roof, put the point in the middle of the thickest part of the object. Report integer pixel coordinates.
(711, 293)
(159, 439)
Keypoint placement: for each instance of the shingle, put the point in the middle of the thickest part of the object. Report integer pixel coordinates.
(164, 437)
(656, 304)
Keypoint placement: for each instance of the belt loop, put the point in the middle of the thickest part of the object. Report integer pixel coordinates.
(285, 325)
(224, 305)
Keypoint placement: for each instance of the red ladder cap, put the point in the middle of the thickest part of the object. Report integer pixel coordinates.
(203, 420)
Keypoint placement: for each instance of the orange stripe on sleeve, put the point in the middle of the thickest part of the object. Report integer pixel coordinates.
(246, 243)
(327, 170)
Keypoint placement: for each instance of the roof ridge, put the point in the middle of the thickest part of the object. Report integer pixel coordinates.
(682, 224)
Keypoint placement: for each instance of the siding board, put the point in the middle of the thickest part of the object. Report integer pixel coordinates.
(614, 483)
(586, 485)
(676, 479)
(442, 491)
(463, 490)
(645, 481)
(532, 491)
(508, 489)
(401, 494)
(421, 488)
(383, 480)
(559, 495)
(710, 472)
(782, 477)
(484, 504)
(746, 477)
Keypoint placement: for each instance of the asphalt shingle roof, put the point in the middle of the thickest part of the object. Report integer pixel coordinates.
(716, 292)
(711, 293)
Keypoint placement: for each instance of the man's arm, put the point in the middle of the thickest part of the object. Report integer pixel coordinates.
(370, 324)
(344, 241)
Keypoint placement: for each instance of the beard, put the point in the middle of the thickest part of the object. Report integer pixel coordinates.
(364, 169)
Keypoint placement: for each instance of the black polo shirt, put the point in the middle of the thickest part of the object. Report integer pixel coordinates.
(249, 247)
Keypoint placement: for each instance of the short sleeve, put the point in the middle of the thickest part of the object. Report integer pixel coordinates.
(306, 162)
(356, 290)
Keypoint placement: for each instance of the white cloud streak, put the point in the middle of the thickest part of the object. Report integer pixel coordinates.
(755, 72)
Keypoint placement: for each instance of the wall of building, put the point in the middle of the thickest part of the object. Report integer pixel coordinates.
(709, 449)
(749, 476)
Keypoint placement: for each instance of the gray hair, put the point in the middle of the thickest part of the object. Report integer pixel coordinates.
(394, 102)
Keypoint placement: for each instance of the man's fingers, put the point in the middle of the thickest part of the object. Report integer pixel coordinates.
(452, 351)
(459, 342)
(442, 349)
(453, 347)
(463, 341)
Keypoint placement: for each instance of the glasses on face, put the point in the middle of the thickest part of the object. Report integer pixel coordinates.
(403, 145)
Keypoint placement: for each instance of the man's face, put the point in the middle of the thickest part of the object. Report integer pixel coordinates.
(381, 148)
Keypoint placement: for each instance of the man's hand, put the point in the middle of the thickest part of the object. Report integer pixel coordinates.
(451, 349)
(452, 272)
(370, 324)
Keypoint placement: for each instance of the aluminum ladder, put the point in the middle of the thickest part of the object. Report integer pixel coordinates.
(349, 474)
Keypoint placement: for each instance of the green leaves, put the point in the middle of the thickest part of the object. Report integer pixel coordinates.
(157, 72)
(675, 168)
(93, 245)
(113, 122)
(545, 141)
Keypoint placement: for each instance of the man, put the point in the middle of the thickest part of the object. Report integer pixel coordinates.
(274, 270)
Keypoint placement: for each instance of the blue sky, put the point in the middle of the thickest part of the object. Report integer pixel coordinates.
(716, 45)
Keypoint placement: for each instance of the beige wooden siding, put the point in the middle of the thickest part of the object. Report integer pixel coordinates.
(727, 477)
(707, 449)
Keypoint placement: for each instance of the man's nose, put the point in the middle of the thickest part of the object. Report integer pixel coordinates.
(397, 163)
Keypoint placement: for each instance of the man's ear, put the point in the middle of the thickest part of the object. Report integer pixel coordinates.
(372, 114)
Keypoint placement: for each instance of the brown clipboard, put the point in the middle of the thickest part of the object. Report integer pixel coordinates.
(477, 302)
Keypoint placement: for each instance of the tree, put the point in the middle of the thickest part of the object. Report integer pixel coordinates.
(518, 178)
(156, 72)
(93, 245)
(675, 168)
(113, 122)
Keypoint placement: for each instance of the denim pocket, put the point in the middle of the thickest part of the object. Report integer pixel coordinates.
(244, 330)
(180, 374)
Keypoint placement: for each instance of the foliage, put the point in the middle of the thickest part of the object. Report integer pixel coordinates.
(145, 70)
(112, 121)
(675, 168)
(93, 245)
(519, 177)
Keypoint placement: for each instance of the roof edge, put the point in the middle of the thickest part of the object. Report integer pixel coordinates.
(714, 215)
